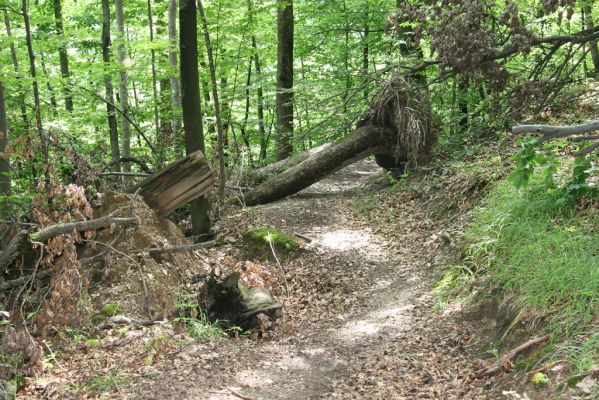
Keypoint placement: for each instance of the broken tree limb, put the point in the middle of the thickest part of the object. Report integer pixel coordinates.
(362, 142)
(179, 183)
(22, 280)
(93, 224)
(177, 249)
(553, 132)
(14, 248)
(129, 174)
(503, 363)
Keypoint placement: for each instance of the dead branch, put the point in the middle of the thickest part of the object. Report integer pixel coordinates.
(11, 252)
(83, 226)
(144, 167)
(553, 132)
(24, 279)
(504, 363)
(130, 174)
(178, 249)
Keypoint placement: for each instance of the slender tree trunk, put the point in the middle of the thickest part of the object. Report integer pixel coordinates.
(284, 79)
(588, 20)
(175, 83)
(246, 114)
(123, 87)
(4, 159)
(36, 92)
(63, 56)
(15, 62)
(154, 78)
(192, 106)
(260, 106)
(106, 56)
(217, 114)
(365, 55)
(49, 86)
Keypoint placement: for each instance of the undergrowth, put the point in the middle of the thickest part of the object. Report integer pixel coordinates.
(544, 256)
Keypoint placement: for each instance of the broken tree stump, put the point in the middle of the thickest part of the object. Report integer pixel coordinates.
(177, 184)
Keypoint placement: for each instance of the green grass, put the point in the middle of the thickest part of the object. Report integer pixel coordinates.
(543, 257)
(267, 235)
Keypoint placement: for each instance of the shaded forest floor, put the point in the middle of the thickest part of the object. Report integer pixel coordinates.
(360, 320)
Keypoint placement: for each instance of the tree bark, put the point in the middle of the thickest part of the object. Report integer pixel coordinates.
(217, 113)
(588, 20)
(4, 159)
(284, 101)
(175, 83)
(123, 91)
(178, 184)
(53, 101)
(106, 56)
(192, 106)
(261, 174)
(63, 56)
(362, 142)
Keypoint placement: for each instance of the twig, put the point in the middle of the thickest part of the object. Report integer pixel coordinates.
(177, 249)
(131, 174)
(93, 259)
(234, 393)
(53, 355)
(279, 264)
(504, 362)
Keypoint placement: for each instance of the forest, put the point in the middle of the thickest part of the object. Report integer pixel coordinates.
(299, 199)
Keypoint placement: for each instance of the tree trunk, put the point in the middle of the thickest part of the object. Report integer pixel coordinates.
(36, 92)
(63, 56)
(192, 106)
(362, 142)
(217, 114)
(261, 174)
(284, 101)
(154, 79)
(53, 101)
(15, 62)
(4, 159)
(588, 19)
(260, 105)
(246, 113)
(123, 91)
(175, 84)
(106, 56)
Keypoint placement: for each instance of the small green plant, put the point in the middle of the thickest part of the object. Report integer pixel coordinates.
(260, 241)
(364, 204)
(111, 380)
(202, 327)
(540, 379)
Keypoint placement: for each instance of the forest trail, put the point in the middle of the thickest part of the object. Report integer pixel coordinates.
(358, 323)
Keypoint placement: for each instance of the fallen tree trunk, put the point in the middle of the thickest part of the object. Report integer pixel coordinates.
(362, 142)
(177, 184)
(259, 175)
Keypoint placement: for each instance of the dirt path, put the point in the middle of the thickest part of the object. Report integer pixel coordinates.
(359, 322)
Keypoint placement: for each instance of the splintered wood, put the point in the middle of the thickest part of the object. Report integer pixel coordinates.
(179, 183)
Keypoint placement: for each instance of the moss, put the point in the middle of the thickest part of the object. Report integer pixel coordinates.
(111, 309)
(258, 241)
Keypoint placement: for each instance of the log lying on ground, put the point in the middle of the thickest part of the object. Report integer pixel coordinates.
(177, 184)
(12, 251)
(259, 175)
(362, 142)
(553, 132)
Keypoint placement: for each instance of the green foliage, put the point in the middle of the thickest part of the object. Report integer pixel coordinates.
(110, 310)
(529, 158)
